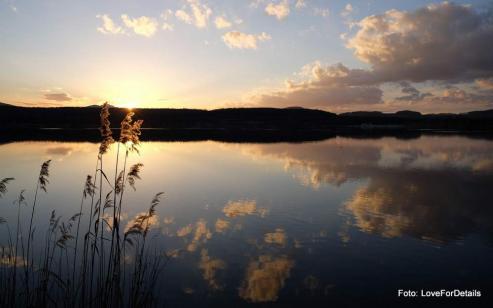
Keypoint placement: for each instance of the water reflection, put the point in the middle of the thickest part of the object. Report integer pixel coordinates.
(201, 236)
(430, 188)
(209, 267)
(269, 222)
(277, 237)
(265, 277)
(222, 225)
(243, 207)
(59, 150)
(339, 160)
(439, 205)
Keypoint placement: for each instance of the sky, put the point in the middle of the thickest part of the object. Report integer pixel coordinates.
(428, 56)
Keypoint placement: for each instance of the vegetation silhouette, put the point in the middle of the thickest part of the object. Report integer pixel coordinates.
(97, 265)
(240, 120)
(261, 125)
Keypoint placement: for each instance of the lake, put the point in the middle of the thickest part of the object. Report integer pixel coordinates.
(342, 221)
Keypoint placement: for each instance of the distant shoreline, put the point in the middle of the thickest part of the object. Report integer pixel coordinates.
(228, 135)
(264, 121)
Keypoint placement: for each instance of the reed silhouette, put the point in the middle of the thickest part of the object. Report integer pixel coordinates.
(85, 266)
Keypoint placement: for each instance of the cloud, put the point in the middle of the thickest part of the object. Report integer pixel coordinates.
(300, 4)
(59, 97)
(411, 93)
(183, 16)
(109, 26)
(348, 9)
(256, 3)
(438, 42)
(485, 84)
(167, 26)
(445, 98)
(222, 23)
(166, 15)
(201, 13)
(280, 10)
(325, 86)
(143, 25)
(443, 44)
(240, 40)
(198, 14)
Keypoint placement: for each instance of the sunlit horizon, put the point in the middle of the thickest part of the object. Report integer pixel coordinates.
(339, 56)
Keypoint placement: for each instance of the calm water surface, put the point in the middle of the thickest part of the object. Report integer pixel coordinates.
(340, 221)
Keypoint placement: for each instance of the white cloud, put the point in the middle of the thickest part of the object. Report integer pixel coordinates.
(167, 14)
(239, 40)
(109, 26)
(280, 10)
(143, 25)
(222, 23)
(183, 16)
(256, 3)
(264, 37)
(348, 9)
(167, 26)
(201, 13)
(198, 14)
(300, 4)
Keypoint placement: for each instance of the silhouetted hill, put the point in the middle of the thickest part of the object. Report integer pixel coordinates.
(288, 119)
(480, 114)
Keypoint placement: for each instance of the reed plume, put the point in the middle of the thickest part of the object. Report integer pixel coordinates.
(105, 129)
(44, 173)
(119, 183)
(89, 187)
(134, 174)
(130, 131)
(3, 185)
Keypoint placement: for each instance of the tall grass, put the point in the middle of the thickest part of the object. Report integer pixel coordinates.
(84, 266)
